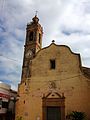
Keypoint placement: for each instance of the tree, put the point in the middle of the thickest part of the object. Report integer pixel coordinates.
(75, 115)
(19, 118)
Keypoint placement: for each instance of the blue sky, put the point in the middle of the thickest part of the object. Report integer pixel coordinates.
(65, 21)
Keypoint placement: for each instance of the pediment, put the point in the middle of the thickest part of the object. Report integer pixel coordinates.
(53, 95)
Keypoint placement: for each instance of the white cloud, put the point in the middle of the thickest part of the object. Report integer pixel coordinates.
(66, 21)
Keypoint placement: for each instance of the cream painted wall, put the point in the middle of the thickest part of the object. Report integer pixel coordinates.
(67, 77)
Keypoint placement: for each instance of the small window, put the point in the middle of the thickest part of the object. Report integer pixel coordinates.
(24, 101)
(39, 37)
(31, 36)
(4, 104)
(0, 102)
(52, 64)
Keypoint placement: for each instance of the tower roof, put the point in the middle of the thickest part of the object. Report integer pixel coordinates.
(35, 19)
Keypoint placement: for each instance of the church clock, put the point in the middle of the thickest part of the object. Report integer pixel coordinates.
(29, 54)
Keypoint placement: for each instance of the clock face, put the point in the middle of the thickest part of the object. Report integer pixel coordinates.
(29, 54)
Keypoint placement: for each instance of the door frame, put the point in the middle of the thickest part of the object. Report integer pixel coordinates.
(54, 102)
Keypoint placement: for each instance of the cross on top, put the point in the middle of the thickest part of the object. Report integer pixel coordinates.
(36, 12)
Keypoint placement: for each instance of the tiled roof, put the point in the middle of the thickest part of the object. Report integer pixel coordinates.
(86, 71)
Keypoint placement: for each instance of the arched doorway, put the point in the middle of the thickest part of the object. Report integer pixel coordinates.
(53, 106)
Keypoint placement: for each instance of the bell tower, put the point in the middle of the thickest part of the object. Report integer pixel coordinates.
(34, 33)
(33, 44)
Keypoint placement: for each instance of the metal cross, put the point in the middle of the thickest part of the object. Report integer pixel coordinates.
(36, 12)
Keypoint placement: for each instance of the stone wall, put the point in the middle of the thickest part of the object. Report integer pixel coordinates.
(67, 78)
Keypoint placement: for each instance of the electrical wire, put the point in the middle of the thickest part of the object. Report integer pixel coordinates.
(10, 58)
(45, 89)
(2, 10)
(53, 80)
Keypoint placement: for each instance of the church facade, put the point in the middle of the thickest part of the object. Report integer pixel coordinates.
(53, 81)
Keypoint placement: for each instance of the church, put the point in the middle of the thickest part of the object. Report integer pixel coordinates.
(53, 83)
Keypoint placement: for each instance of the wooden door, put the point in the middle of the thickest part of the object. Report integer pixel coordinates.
(53, 113)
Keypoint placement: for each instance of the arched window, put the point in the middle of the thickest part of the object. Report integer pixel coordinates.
(31, 36)
(39, 37)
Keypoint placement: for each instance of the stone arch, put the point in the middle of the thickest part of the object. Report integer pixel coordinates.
(53, 99)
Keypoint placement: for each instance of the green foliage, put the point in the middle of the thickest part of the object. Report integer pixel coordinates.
(74, 115)
(19, 118)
